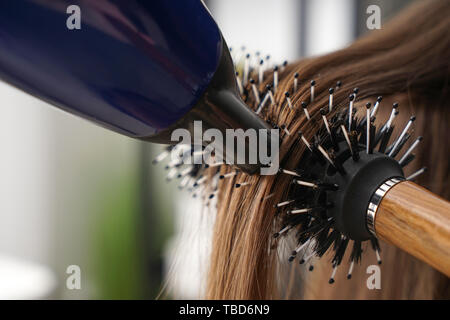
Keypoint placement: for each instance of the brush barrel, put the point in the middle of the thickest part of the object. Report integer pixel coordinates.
(416, 221)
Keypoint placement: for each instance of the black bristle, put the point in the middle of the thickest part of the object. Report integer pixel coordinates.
(328, 187)
(322, 237)
(386, 135)
(375, 244)
(356, 252)
(408, 160)
(340, 251)
(313, 229)
(372, 136)
(353, 137)
(400, 145)
(328, 242)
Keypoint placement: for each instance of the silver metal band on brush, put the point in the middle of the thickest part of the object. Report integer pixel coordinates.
(376, 200)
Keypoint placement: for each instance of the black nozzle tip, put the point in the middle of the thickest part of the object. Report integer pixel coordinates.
(331, 90)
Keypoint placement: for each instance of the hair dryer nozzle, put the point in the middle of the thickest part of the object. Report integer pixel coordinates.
(222, 108)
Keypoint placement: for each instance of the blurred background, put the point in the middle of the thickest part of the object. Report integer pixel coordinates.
(72, 193)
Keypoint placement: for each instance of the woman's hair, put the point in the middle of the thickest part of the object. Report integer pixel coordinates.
(407, 61)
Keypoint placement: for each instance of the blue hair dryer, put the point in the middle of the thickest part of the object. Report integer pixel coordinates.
(141, 68)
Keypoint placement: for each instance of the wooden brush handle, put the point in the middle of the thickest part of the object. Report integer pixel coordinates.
(418, 222)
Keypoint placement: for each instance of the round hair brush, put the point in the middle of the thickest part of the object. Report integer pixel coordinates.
(349, 186)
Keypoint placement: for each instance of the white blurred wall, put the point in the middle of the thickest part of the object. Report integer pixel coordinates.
(26, 176)
(268, 26)
(329, 25)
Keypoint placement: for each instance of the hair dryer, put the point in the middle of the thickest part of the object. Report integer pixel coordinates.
(141, 68)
